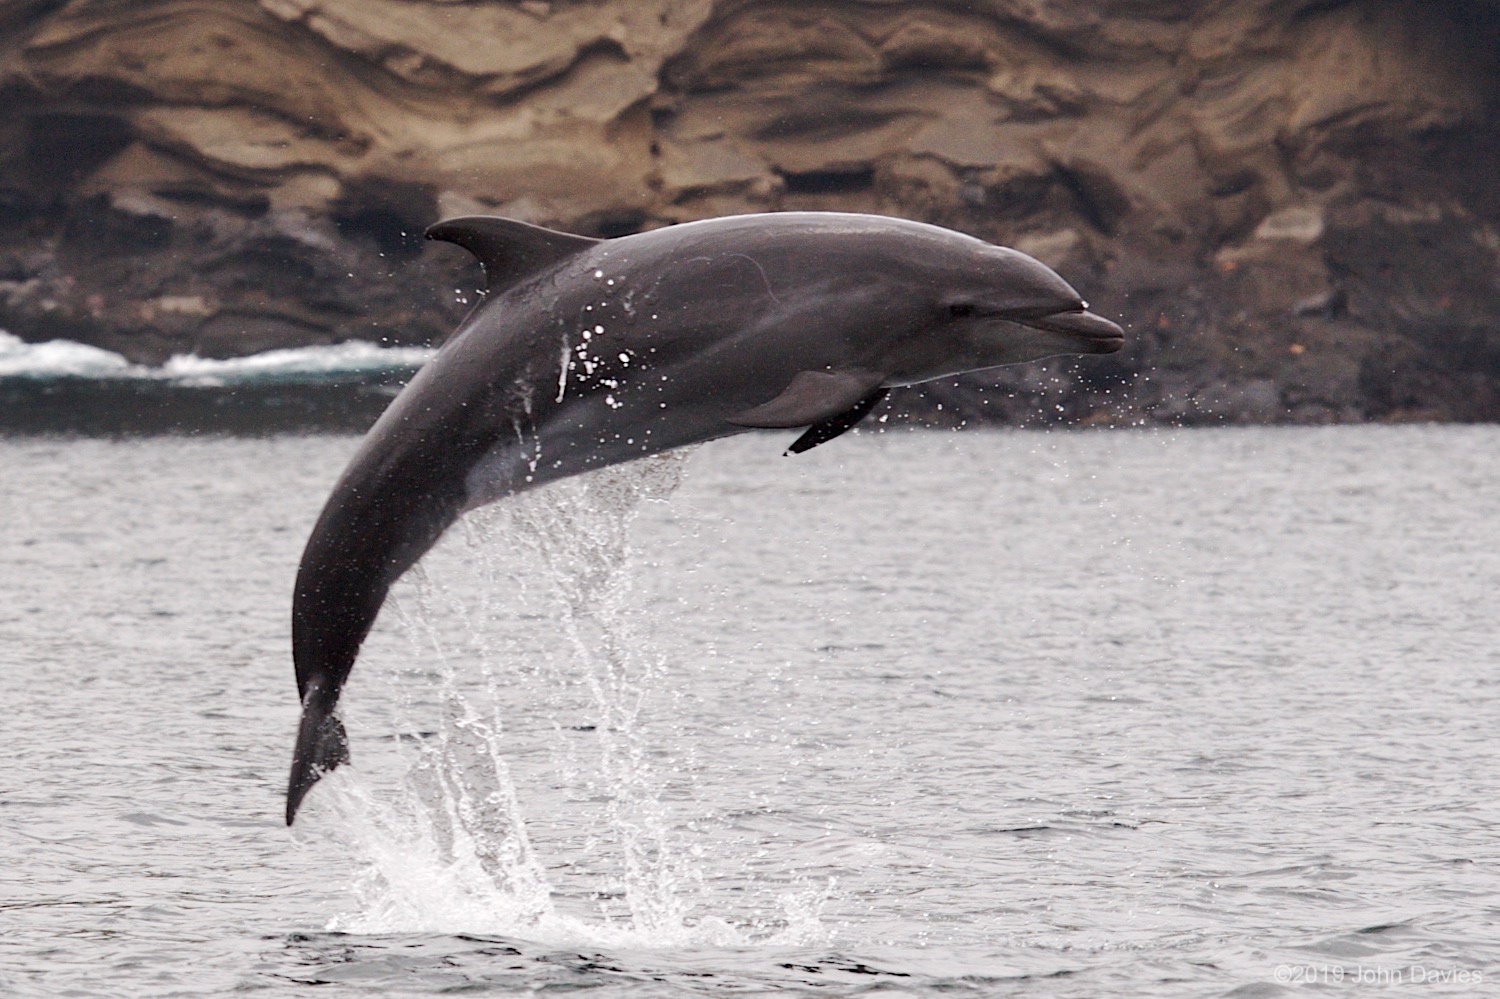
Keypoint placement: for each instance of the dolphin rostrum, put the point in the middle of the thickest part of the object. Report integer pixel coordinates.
(586, 353)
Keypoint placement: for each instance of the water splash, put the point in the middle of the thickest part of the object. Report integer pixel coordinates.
(582, 539)
(535, 603)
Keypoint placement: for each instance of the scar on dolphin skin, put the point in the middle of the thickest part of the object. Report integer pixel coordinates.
(756, 264)
(840, 309)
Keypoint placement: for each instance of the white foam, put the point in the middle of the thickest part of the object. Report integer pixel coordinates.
(66, 359)
(352, 357)
(60, 359)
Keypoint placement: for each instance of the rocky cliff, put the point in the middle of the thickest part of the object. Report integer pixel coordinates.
(1292, 205)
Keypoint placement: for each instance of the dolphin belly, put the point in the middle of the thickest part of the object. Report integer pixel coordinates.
(588, 435)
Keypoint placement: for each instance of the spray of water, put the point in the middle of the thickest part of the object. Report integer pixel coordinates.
(535, 601)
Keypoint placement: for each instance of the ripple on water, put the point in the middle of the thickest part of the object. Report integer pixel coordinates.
(1010, 713)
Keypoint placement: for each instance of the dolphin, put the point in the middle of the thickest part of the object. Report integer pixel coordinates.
(586, 352)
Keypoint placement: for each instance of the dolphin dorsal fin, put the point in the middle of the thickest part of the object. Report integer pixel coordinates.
(509, 250)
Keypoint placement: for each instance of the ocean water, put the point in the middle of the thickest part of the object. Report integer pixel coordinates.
(62, 387)
(52, 360)
(1119, 713)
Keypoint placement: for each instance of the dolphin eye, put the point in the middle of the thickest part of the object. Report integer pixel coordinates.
(961, 310)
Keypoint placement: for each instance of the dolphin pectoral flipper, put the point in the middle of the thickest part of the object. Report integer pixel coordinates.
(322, 746)
(827, 430)
(812, 397)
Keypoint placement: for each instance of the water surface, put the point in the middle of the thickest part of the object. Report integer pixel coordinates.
(1032, 714)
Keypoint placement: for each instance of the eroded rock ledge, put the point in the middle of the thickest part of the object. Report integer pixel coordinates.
(1291, 204)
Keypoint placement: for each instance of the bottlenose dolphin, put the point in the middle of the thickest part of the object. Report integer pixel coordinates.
(587, 353)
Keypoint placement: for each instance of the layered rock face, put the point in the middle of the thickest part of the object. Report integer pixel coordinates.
(1292, 205)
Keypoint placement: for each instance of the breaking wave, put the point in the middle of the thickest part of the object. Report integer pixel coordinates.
(62, 387)
(65, 359)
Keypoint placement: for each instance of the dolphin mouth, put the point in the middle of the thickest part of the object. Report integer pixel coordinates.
(1103, 336)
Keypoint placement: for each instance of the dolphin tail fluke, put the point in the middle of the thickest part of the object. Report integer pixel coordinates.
(321, 747)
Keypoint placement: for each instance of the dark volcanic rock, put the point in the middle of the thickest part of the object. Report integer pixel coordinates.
(1291, 204)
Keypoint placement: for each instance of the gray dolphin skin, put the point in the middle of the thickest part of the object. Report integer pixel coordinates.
(586, 353)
